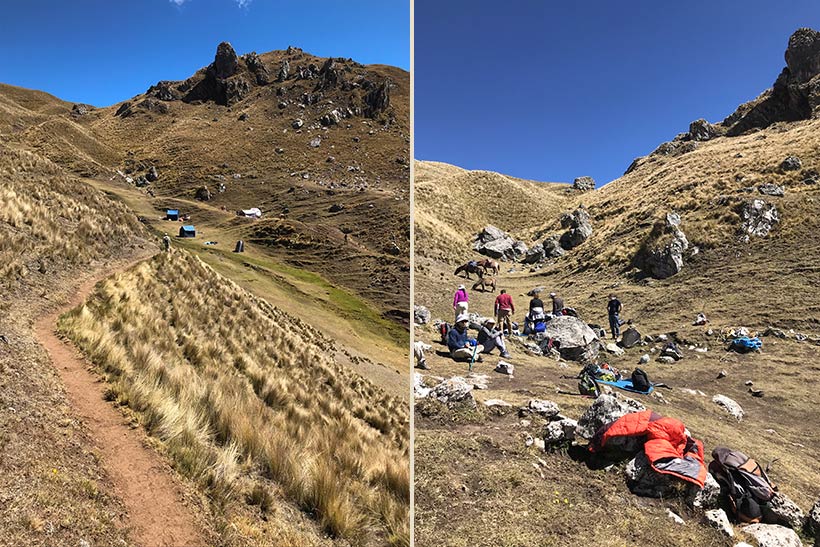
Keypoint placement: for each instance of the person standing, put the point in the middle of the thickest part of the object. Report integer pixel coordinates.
(557, 304)
(614, 308)
(461, 301)
(504, 308)
(166, 243)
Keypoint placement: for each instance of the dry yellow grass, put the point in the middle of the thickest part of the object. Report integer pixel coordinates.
(247, 403)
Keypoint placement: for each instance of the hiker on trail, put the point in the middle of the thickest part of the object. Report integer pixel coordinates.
(460, 301)
(166, 243)
(461, 346)
(557, 304)
(614, 308)
(491, 338)
(504, 308)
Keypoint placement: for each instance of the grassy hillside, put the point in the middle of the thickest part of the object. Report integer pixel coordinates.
(53, 229)
(246, 402)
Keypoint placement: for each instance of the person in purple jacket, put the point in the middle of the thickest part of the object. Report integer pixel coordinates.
(460, 301)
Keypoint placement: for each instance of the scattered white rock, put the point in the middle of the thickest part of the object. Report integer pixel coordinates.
(675, 517)
(734, 409)
(718, 519)
(420, 391)
(614, 349)
(644, 359)
(453, 390)
(505, 368)
(497, 402)
(606, 408)
(560, 431)
(547, 409)
(772, 535)
(707, 497)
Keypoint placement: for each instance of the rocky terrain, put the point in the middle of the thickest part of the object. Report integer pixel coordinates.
(720, 222)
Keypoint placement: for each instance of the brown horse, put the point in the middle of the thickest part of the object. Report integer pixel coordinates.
(490, 265)
(484, 282)
(470, 267)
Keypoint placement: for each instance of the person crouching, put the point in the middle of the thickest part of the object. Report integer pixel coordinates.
(461, 346)
(491, 338)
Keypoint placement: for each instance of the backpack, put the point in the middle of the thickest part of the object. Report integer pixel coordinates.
(640, 380)
(444, 330)
(586, 381)
(744, 344)
(743, 482)
(539, 326)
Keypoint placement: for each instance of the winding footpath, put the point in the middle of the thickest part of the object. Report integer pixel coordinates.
(158, 515)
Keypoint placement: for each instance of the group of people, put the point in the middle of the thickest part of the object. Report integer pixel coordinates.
(492, 331)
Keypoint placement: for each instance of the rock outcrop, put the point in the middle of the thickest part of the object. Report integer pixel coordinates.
(795, 94)
(377, 99)
(578, 226)
(662, 254)
(758, 218)
(584, 184)
(608, 408)
(772, 535)
(496, 243)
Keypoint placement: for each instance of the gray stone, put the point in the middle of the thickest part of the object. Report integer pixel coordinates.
(552, 246)
(505, 368)
(630, 337)
(226, 62)
(203, 194)
(606, 408)
(707, 497)
(454, 390)
(642, 480)
(561, 431)
(547, 409)
(786, 511)
(717, 519)
(578, 226)
(666, 260)
(791, 163)
(813, 522)
(420, 391)
(772, 535)
(584, 184)
(644, 359)
(421, 315)
(577, 342)
(535, 254)
(614, 349)
(759, 218)
(729, 405)
(770, 189)
(666, 359)
(315, 142)
(152, 174)
(496, 243)
(297, 124)
(701, 130)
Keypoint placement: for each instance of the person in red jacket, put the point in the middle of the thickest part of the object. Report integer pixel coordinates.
(504, 308)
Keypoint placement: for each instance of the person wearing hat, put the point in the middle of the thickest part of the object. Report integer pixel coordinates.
(461, 346)
(460, 301)
(166, 242)
(557, 304)
(613, 309)
(491, 338)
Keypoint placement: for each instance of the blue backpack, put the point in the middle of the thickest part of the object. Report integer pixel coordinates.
(744, 344)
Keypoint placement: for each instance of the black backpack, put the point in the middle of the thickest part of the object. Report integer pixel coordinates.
(640, 380)
(744, 484)
(444, 330)
(587, 385)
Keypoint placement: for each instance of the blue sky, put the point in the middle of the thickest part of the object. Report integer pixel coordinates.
(550, 90)
(103, 51)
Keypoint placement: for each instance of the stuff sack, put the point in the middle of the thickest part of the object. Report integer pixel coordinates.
(444, 330)
(743, 483)
(745, 344)
(640, 380)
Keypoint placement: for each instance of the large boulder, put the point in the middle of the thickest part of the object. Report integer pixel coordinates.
(453, 391)
(758, 219)
(535, 254)
(576, 341)
(606, 408)
(421, 315)
(578, 226)
(791, 163)
(772, 535)
(813, 521)
(496, 243)
(717, 518)
(786, 511)
(559, 432)
(662, 254)
(630, 337)
(584, 184)
(552, 246)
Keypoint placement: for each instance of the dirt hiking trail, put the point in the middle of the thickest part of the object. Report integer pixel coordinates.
(158, 514)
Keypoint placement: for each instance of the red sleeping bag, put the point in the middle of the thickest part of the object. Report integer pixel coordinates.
(667, 447)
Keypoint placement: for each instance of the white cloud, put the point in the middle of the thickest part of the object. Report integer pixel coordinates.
(178, 2)
(243, 3)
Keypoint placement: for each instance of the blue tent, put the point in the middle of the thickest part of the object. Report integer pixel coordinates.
(172, 214)
(187, 231)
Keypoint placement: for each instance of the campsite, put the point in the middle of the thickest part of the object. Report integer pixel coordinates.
(502, 446)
